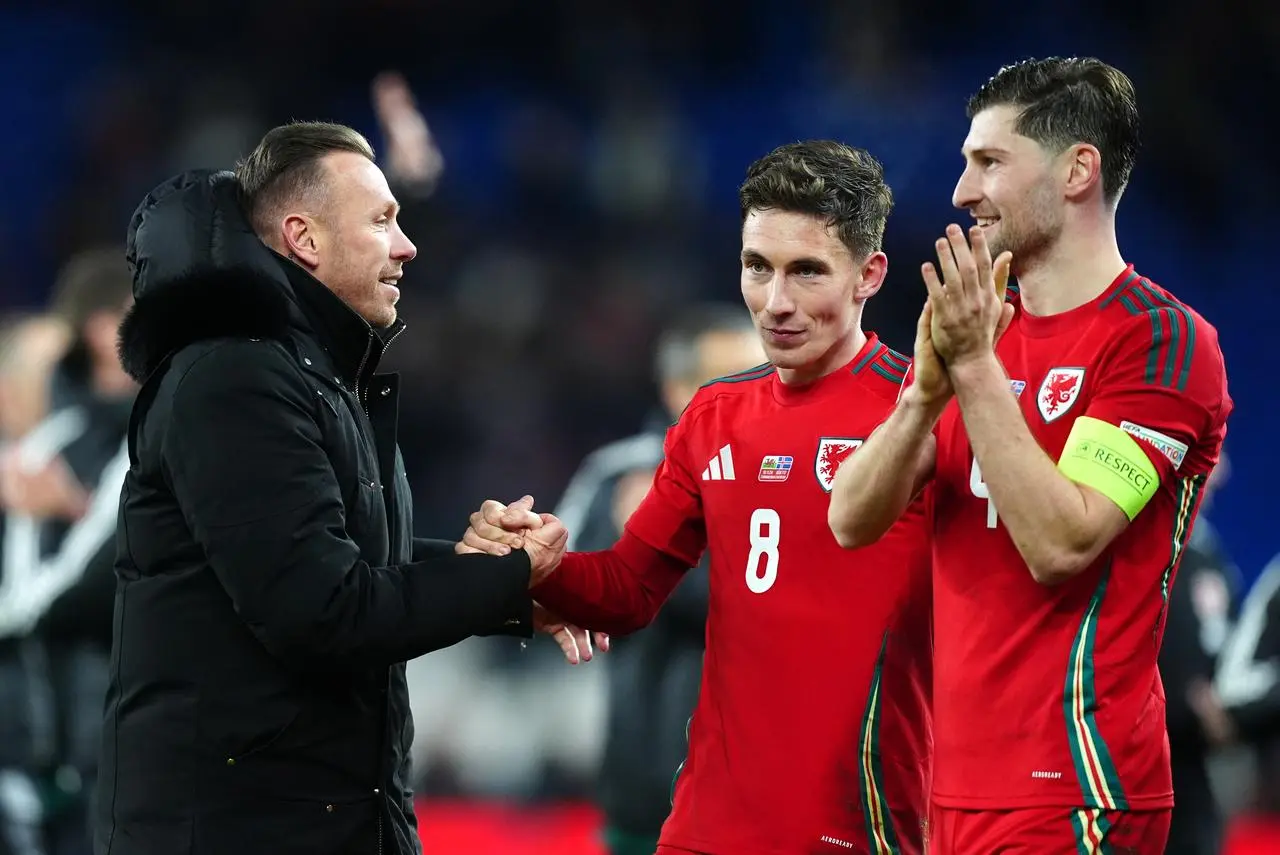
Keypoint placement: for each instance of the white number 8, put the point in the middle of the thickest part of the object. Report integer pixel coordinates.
(979, 488)
(765, 529)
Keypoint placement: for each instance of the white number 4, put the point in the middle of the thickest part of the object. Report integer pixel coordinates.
(766, 527)
(979, 488)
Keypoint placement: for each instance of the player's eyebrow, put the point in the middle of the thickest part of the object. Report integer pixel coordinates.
(814, 263)
(818, 265)
(977, 151)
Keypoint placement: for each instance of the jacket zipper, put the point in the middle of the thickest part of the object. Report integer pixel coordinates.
(360, 398)
(364, 360)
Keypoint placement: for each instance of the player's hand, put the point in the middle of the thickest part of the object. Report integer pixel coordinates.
(413, 159)
(496, 529)
(967, 304)
(574, 641)
(930, 385)
(545, 546)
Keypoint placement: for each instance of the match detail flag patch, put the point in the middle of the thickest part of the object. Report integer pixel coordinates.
(776, 467)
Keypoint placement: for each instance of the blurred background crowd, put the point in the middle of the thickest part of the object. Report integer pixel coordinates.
(568, 171)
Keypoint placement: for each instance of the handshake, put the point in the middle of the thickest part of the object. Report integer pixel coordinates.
(496, 529)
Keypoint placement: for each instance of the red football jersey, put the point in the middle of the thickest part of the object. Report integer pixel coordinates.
(812, 729)
(1050, 696)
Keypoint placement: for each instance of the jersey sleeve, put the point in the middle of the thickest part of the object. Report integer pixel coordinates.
(617, 590)
(1165, 385)
(620, 590)
(670, 517)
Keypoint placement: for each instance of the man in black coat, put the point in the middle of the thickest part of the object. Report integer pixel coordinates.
(270, 588)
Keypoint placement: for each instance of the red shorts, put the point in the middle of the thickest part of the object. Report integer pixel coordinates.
(1047, 831)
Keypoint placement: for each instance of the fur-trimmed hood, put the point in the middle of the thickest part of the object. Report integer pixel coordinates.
(199, 272)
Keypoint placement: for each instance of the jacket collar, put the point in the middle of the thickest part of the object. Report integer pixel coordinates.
(354, 345)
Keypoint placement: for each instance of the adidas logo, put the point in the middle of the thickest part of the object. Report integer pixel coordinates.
(720, 468)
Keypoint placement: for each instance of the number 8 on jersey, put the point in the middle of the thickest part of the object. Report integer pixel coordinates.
(766, 527)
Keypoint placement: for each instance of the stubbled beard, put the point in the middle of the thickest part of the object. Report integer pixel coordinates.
(1026, 237)
(1036, 227)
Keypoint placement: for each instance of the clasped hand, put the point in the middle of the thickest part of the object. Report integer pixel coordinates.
(496, 529)
(966, 312)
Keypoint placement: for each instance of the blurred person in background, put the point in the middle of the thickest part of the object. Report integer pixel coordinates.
(653, 675)
(30, 346)
(812, 731)
(64, 480)
(1244, 705)
(270, 586)
(413, 162)
(1196, 626)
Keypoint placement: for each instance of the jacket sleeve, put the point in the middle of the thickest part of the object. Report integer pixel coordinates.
(1248, 679)
(426, 547)
(244, 454)
(517, 622)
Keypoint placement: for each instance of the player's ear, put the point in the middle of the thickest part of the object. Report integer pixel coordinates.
(1082, 169)
(871, 276)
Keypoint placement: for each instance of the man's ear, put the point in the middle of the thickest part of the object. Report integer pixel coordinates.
(302, 237)
(1083, 170)
(874, 269)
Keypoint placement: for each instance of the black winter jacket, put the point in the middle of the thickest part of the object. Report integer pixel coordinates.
(269, 584)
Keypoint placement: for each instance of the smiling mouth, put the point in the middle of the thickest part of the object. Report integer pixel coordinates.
(986, 222)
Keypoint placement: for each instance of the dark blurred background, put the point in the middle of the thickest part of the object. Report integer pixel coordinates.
(592, 154)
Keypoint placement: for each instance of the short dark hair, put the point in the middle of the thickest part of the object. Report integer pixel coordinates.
(1064, 101)
(93, 280)
(286, 165)
(677, 352)
(842, 184)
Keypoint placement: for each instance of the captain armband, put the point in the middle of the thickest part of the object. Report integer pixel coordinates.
(1102, 456)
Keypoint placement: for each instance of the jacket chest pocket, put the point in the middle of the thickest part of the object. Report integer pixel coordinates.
(355, 463)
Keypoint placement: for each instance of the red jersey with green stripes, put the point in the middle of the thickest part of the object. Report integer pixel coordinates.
(1050, 696)
(812, 729)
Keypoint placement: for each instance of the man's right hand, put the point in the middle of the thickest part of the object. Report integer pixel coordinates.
(931, 385)
(496, 529)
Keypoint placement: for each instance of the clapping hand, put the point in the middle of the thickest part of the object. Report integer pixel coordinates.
(967, 311)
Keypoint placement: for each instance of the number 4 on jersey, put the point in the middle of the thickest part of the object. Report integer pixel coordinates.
(979, 488)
